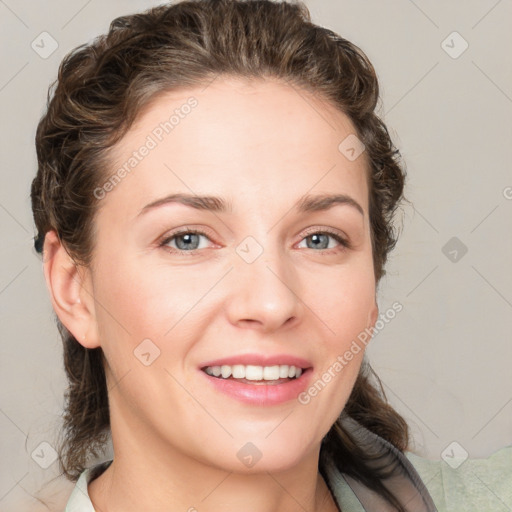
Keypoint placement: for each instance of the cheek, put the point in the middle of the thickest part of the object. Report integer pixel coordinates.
(126, 315)
(140, 300)
(345, 309)
(146, 308)
(345, 304)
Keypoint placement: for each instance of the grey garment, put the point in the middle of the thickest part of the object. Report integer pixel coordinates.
(401, 479)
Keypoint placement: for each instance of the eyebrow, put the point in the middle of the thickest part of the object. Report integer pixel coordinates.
(307, 203)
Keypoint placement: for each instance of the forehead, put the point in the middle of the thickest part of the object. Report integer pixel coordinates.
(241, 139)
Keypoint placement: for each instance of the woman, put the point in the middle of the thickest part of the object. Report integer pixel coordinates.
(214, 205)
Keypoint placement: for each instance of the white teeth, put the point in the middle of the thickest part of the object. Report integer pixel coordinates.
(271, 372)
(238, 371)
(225, 371)
(283, 371)
(251, 372)
(254, 372)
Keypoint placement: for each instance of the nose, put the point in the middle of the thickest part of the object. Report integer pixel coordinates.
(265, 293)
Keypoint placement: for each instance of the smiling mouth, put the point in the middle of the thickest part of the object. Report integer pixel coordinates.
(250, 374)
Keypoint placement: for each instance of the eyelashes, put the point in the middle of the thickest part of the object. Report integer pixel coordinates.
(188, 235)
(181, 234)
(344, 243)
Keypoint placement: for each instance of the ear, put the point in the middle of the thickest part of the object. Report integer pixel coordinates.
(373, 315)
(70, 291)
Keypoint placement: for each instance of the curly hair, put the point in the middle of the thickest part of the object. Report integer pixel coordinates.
(103, 87)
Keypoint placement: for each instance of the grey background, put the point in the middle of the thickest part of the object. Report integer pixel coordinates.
(445, 358)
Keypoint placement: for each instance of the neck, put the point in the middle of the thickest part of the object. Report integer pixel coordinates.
(151, 475)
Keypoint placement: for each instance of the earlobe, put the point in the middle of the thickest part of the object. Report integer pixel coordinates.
(67, 285)
(373, 315)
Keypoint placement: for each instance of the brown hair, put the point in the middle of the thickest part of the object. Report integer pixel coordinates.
(100, 90)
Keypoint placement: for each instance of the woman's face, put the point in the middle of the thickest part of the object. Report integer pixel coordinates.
(265, 283)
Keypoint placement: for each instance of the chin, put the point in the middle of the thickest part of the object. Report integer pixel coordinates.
(262, 455)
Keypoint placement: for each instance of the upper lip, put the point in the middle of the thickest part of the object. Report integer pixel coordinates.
(260, 360)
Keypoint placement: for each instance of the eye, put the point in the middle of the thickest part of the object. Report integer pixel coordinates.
(186, 240)
(320, 240)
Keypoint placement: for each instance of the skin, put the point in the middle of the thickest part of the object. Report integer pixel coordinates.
(262, 145)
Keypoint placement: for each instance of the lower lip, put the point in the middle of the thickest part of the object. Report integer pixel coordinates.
(261, 394)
